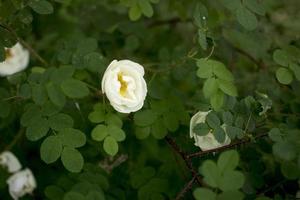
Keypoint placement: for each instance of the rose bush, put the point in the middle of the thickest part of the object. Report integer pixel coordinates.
(149, 99)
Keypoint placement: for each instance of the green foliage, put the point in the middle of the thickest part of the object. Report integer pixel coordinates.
(222, 175)
(219, 81)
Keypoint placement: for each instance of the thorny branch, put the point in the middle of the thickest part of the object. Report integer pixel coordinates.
(188, 159)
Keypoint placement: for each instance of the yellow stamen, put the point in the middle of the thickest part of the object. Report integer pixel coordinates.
(8, 54)
(123, 83)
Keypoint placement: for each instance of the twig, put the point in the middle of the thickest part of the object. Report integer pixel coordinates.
(183, 155)
(15, 140)
(223, 148)
(186, 188)
(250, 57)
(32, 51)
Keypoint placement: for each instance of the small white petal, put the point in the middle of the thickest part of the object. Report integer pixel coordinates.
(17, 60)
(208, 141)
(9, 161)
(21, 183)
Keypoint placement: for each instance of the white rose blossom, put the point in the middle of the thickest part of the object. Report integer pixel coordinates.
(21, 183)
(208, 141)
(10, 162)
(124, 85)
(16, 60)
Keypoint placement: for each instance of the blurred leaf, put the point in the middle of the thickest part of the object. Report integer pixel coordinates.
(72, 159)
(110, 146)
(51, 149)
(210, 87)
(99, 132)
(246, 18)
(42, 7)
(200, 193)
(201, 129)
(144, 118)
(60, 121)
(284, 76)
(228, 161)
(74, 88)
(72, 137)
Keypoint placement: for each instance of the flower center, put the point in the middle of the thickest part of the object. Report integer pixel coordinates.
(123, 83)
(8, 54)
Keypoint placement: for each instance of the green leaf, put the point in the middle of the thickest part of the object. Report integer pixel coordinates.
(113, 119)
(95, 195)
(219, 134)
(229, 195)
(210, 87)
(135, 12)
(202, 39)
(221, 71)
(110, 146)
(97, 116)
(290, 170)
(239, 122)
(42, 7)
(296, 69)
(171, 121)
(142, 132)
(55, 94)
(201, 193)
(255, 6)
(281, 57)
(72, 159)
(232, 4)
(227, 87)
(74, 88)
(228, 161)
(73, 196)
(211, 173)
(227, 118)
(39, 94)
(60, 121)
(284, 76)
(72, 137)
(284, 150)
(141, 176)
(275, 135)
(99, 132)
(38, 129)
(53, 192)
(63, 73)
(146, 7)
(159, 131)
(246, 18)
(116, 133)
(205, 68)
(233, 132)
(217, 100)
(51, 149)
(231, 180)
(201, 129)
(213, 120)
(144, 118)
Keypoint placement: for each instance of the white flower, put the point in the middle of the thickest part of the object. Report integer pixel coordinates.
(9, 161)
(124, 85)
(17, 59)
(208, 141)
(21, 183)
